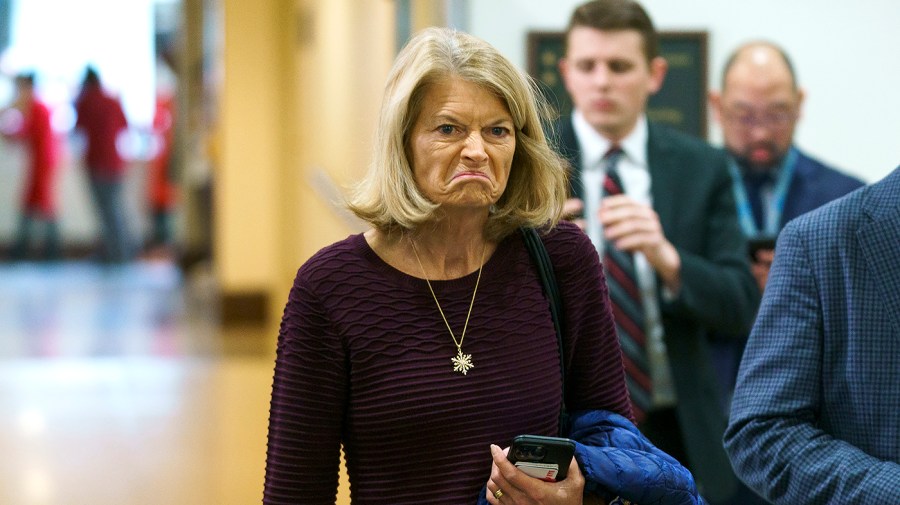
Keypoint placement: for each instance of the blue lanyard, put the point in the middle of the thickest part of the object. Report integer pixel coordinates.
(776, 205)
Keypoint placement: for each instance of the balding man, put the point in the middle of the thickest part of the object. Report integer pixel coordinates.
(774, 182)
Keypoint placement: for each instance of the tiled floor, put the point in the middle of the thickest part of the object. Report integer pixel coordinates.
(118, 387)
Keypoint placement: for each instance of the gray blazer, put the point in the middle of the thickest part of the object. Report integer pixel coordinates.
(816, 411)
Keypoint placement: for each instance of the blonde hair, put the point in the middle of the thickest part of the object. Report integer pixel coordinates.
(388, 197)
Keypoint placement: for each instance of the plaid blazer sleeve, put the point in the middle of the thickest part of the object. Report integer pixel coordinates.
(816, 409)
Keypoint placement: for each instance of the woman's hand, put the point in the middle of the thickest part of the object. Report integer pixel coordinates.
(518, 488)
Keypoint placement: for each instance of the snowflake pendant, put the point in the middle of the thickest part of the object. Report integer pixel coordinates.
(462, 362)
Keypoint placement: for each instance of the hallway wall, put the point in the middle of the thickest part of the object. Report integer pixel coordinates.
(301, 87)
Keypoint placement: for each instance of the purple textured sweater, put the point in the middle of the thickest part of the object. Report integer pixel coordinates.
(364, 360)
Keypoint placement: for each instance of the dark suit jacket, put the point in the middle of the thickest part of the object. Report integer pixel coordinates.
(816, 411)
(691, 191)
(814, 184)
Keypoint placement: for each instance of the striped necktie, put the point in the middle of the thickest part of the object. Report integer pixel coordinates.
(627, 304)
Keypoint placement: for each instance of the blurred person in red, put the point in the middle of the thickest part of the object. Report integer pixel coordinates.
(161, 190)
(27, 120)
(101, 119)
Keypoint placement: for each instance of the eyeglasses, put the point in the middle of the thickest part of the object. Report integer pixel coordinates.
(770, 120)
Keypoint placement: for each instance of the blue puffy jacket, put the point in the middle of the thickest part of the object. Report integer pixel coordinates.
(619, 463)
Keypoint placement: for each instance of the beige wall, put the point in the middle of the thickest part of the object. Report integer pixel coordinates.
(301, 87)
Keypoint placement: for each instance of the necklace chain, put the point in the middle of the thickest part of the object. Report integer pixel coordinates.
(471, 303)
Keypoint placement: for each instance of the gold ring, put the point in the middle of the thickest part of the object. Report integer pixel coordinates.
(498, 493)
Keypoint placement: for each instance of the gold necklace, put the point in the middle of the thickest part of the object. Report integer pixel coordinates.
(462, 363)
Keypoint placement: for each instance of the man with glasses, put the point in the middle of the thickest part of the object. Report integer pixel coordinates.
(774, 182)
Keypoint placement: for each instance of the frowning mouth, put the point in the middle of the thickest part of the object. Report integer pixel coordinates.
(470, 174)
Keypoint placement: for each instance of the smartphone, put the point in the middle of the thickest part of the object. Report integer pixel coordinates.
(546, 458)
(756, 244)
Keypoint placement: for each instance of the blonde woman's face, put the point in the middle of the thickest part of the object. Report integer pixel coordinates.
(462, 145)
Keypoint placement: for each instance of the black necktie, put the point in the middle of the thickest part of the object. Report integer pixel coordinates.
(756, 183)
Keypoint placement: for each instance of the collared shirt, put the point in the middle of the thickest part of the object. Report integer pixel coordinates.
(635, 175)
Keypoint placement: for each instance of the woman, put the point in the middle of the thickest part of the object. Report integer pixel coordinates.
(425, 344)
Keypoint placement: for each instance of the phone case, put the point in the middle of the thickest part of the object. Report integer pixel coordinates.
(546, 458)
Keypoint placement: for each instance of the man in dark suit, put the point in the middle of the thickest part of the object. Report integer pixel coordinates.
(774, 182)
(816, 411)
(676, 220)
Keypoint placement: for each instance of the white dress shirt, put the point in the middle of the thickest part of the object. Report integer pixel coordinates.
(635, 176)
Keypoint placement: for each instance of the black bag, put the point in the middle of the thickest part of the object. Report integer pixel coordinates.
(541, 259)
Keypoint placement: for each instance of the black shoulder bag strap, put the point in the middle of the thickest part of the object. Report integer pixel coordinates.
(541, 259)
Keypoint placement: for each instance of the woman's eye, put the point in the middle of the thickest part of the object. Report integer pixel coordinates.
(446, 129)
(499, 131)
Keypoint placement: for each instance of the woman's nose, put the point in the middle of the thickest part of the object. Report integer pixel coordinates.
(474, 147)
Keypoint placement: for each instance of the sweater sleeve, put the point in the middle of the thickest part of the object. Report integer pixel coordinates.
(308, 403)
(595, 376)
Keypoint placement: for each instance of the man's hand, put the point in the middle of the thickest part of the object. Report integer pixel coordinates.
(635, 227)
(760, 266)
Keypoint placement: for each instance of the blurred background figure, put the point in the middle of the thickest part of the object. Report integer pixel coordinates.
(758, 109)
(774, 182)
(161, 186)
(27, 120)
(101, 119)
(656, 204)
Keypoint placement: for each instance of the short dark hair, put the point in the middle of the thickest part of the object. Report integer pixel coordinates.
(616, 15)
(91, 76)
(25, 79)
